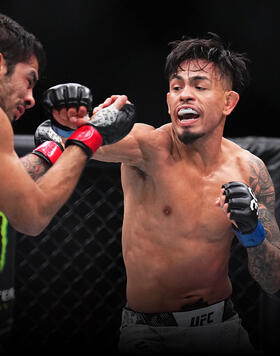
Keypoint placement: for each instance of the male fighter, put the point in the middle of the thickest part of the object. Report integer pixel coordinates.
(28, 206)
(187, 192)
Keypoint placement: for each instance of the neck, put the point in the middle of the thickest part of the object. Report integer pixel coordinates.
(205, 152)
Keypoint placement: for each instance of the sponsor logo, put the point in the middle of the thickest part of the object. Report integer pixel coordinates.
(4, 240)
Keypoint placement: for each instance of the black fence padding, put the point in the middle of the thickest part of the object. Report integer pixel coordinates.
(70, 280)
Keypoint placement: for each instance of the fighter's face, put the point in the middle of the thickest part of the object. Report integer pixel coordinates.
(16, 89)
(197, 100)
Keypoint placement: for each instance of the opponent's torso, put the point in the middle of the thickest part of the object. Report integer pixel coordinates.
(176, 241)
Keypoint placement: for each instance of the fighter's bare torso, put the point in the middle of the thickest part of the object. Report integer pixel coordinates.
(176, 241)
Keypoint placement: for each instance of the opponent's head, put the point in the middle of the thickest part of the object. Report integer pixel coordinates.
(22, 57)
(204, 81)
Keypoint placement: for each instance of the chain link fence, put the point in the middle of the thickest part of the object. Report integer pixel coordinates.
(70, 280)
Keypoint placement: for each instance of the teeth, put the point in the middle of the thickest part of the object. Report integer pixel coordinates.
(186, 111)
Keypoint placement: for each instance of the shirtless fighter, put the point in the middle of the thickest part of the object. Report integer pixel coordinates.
(30, 206)
(187, 192)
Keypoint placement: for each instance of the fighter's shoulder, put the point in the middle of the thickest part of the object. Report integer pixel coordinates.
(151, 134)
(242, 156)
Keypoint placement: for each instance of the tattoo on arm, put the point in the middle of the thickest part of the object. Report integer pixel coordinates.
(262, 185)
(34, 165)
(264, 260)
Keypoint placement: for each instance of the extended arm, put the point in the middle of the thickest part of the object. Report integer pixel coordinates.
(129, 150)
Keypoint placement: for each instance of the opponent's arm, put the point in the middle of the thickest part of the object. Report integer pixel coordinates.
(28, 206)
(34, 165)
(48, 148)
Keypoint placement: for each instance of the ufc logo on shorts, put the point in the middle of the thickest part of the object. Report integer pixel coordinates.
(203, 319)
(212, 314)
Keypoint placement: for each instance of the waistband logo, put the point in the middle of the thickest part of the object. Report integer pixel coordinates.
(203, 319)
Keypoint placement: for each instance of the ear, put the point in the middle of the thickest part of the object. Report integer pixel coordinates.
(167, 100)
(231, 100)
(3, 66)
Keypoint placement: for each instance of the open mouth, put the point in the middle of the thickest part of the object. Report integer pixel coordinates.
(187, 114)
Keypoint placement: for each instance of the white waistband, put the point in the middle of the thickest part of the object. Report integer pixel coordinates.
(212, 314)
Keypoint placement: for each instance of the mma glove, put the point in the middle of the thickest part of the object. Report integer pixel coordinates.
(48, 143)
(244, 210)
(109, 125)
(70, 95)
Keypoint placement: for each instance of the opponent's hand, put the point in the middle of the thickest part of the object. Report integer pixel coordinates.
(241, 206)
(45, 132)
(48, 143)
(64, 102)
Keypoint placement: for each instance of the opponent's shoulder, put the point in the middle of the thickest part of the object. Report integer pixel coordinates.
(6, 133)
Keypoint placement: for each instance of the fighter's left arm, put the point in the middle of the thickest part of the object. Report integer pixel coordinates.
(264, 259)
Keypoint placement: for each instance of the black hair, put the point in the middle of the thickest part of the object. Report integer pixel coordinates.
(18, 45)
(230, 64)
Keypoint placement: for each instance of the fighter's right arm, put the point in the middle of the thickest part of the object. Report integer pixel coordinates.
(131, 150)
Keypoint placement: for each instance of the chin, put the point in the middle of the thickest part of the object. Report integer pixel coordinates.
(188, 137)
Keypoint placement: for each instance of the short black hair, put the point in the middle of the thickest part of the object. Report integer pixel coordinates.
(17, 45)
(211, 48)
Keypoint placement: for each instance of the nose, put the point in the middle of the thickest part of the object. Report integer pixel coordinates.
(186, 94)
(29, 100)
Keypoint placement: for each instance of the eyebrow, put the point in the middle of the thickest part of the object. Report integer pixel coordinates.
(192, 79)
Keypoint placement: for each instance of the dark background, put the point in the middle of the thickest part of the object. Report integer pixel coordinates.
(119, 47)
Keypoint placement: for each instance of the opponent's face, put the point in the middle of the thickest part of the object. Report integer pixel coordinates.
(16, 89)
(198, 100)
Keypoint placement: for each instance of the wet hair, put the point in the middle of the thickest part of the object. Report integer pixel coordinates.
(17, 45)
(231, 64)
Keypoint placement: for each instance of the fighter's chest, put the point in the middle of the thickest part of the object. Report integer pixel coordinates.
(187, 201)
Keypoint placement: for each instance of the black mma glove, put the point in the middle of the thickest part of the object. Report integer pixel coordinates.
(48, 143)
(108, 125)
(65, 96)
(244, 210)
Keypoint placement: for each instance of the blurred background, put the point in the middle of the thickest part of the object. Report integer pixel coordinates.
(119, 47)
